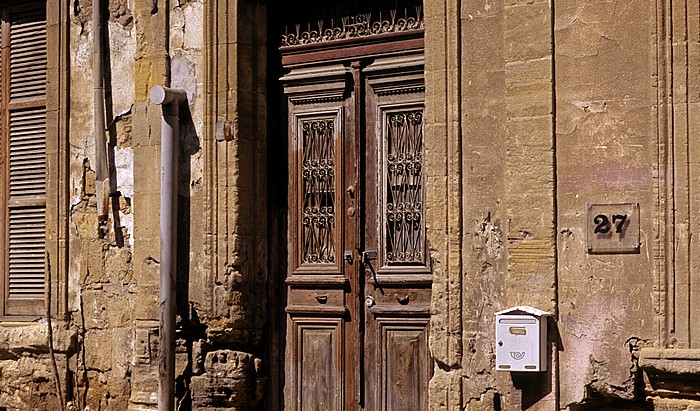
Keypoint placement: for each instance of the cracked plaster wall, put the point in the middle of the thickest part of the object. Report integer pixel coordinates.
(126, 375)
(99, 352)
(102, 288)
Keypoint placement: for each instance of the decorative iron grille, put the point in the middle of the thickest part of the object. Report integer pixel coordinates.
(353, 26)
(318, 184)
(404, 211)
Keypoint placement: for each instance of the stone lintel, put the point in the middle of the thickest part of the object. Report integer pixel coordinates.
(671, 373)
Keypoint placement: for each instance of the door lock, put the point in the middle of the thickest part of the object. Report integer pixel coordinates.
(368, 256)
(347, 256)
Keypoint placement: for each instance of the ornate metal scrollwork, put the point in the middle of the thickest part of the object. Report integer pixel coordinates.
(404, 210)
(360, 25)
(318, 184)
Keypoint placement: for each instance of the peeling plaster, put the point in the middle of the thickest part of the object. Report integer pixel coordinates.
(122, 53)
(193, 38)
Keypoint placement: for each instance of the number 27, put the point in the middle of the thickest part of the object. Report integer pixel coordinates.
(603, 225)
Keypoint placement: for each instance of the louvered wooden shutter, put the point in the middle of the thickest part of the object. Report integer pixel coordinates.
(24, 127)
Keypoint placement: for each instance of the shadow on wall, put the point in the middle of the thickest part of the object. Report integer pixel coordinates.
(534, 386)
(189, 146)
(612, 405)
(187, 318)
(111, 122)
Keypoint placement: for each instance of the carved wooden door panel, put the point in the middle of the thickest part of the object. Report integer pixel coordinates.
(358, 284)
(397, 283)
(322, 330)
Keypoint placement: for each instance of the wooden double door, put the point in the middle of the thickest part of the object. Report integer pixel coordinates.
(359, 279)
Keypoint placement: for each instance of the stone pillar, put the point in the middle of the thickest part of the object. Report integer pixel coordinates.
(151, 63)
(530, 182)
(491, 200)
(485, 219)
(233, 300)
(669, 368)
(443, 199)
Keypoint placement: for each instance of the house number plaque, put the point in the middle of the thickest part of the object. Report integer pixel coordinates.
(612, 228)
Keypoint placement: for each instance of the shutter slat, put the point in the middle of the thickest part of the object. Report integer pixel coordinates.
(27, 147)
(29, 164)
(24, 133)
(21, 71)
(23, 239)
(24, 54)
(25, 37)
(26, 290)
(25, 253)
(36, 241)
(22, 175)
(29, 189)
(21, 34)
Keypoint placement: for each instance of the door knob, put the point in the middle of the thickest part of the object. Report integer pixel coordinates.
(369, 301)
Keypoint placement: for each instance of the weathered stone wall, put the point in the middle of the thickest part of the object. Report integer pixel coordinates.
(106, 348)
(102, 288)
(500, 99)
(534, 109)
(605, 154)
(560, 105)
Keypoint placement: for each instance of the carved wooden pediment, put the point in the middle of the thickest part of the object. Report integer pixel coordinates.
(317, 84)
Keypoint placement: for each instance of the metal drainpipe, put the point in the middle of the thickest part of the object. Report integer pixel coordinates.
(170, 101)
(101, 170)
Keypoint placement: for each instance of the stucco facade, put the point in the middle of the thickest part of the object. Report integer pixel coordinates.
(533, 111)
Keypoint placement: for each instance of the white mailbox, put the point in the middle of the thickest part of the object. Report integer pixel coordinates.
(521, 339)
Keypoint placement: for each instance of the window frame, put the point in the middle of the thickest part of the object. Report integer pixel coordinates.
(57, 160)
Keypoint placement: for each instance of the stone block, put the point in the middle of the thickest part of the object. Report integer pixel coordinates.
(210, 392)
(670, 404)
(94, 306)
(177, 28)
(144, 393)
(122, 353)
(99, 346)
(33, 339)
(232, 379)
(528, 31)
(118, 266)
(27, 384)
